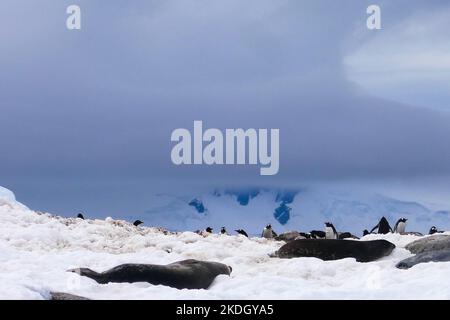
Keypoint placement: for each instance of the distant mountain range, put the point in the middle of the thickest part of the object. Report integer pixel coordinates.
(302, 209)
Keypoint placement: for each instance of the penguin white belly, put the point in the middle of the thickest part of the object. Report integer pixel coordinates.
(401, 227)
(329, 233)
(267, 233)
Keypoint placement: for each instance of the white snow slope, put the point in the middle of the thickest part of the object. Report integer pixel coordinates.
(36, 249)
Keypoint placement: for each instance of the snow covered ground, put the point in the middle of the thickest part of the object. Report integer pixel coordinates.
(36, 249)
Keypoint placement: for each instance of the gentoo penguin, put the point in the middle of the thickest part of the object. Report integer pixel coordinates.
(305, 235)
(80, 216)
(242, 232)
(330, 231)
(268, 232)
(223, 231)
(382, 226)
(205, 232)
(317, 234)
(137, 222)
(346, 235)
(434, 230)
(400, 225)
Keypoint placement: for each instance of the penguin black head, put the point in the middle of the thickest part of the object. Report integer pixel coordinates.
(223, 230)
(269, 226)
(329, 225)
(433, 230)
(137, 222)
(209, 229)
(365, 232)
(80, 216)
(402, 220)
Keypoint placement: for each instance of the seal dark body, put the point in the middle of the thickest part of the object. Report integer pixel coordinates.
(186, 274)
(428, 256)
(331, 249)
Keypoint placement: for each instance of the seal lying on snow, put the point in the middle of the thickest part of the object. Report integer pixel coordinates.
(432, 243)
(186, 274)
(330, 249)
(428, 256)
(65, 296)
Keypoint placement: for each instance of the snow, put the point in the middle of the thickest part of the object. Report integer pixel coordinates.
(37, 248)
(6, 195)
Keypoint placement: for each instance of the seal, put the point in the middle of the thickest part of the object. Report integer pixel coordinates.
(185, 274)
(427, 256)
(430, 243)
(65, 296)
(331, 249)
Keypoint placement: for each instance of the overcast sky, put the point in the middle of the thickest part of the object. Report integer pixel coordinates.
(102, 102)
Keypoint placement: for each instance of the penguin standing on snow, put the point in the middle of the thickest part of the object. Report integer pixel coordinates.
(205, 232)
(382, 226)
(242, 232)
(268, 232)
(330, 231)
(223, 231)
(137, 222)
(400, 225)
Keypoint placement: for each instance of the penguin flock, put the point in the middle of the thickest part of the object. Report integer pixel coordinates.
(329, 232)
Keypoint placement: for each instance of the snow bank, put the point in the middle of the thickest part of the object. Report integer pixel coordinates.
(6, 195)
(36, 249)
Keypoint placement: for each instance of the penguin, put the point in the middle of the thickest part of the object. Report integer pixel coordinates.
(346, 235)
(209, 230)
(434, 230)
(365, 232)
(382, 226)
(330, 231)
(400, 225)
(305, 235)
(268, 232)
(205, 232)
(137, 222)
(223, 231)
(242, 232)
(80, 216)
(317, 234)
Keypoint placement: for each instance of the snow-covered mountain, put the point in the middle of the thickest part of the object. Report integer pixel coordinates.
(303, 208)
